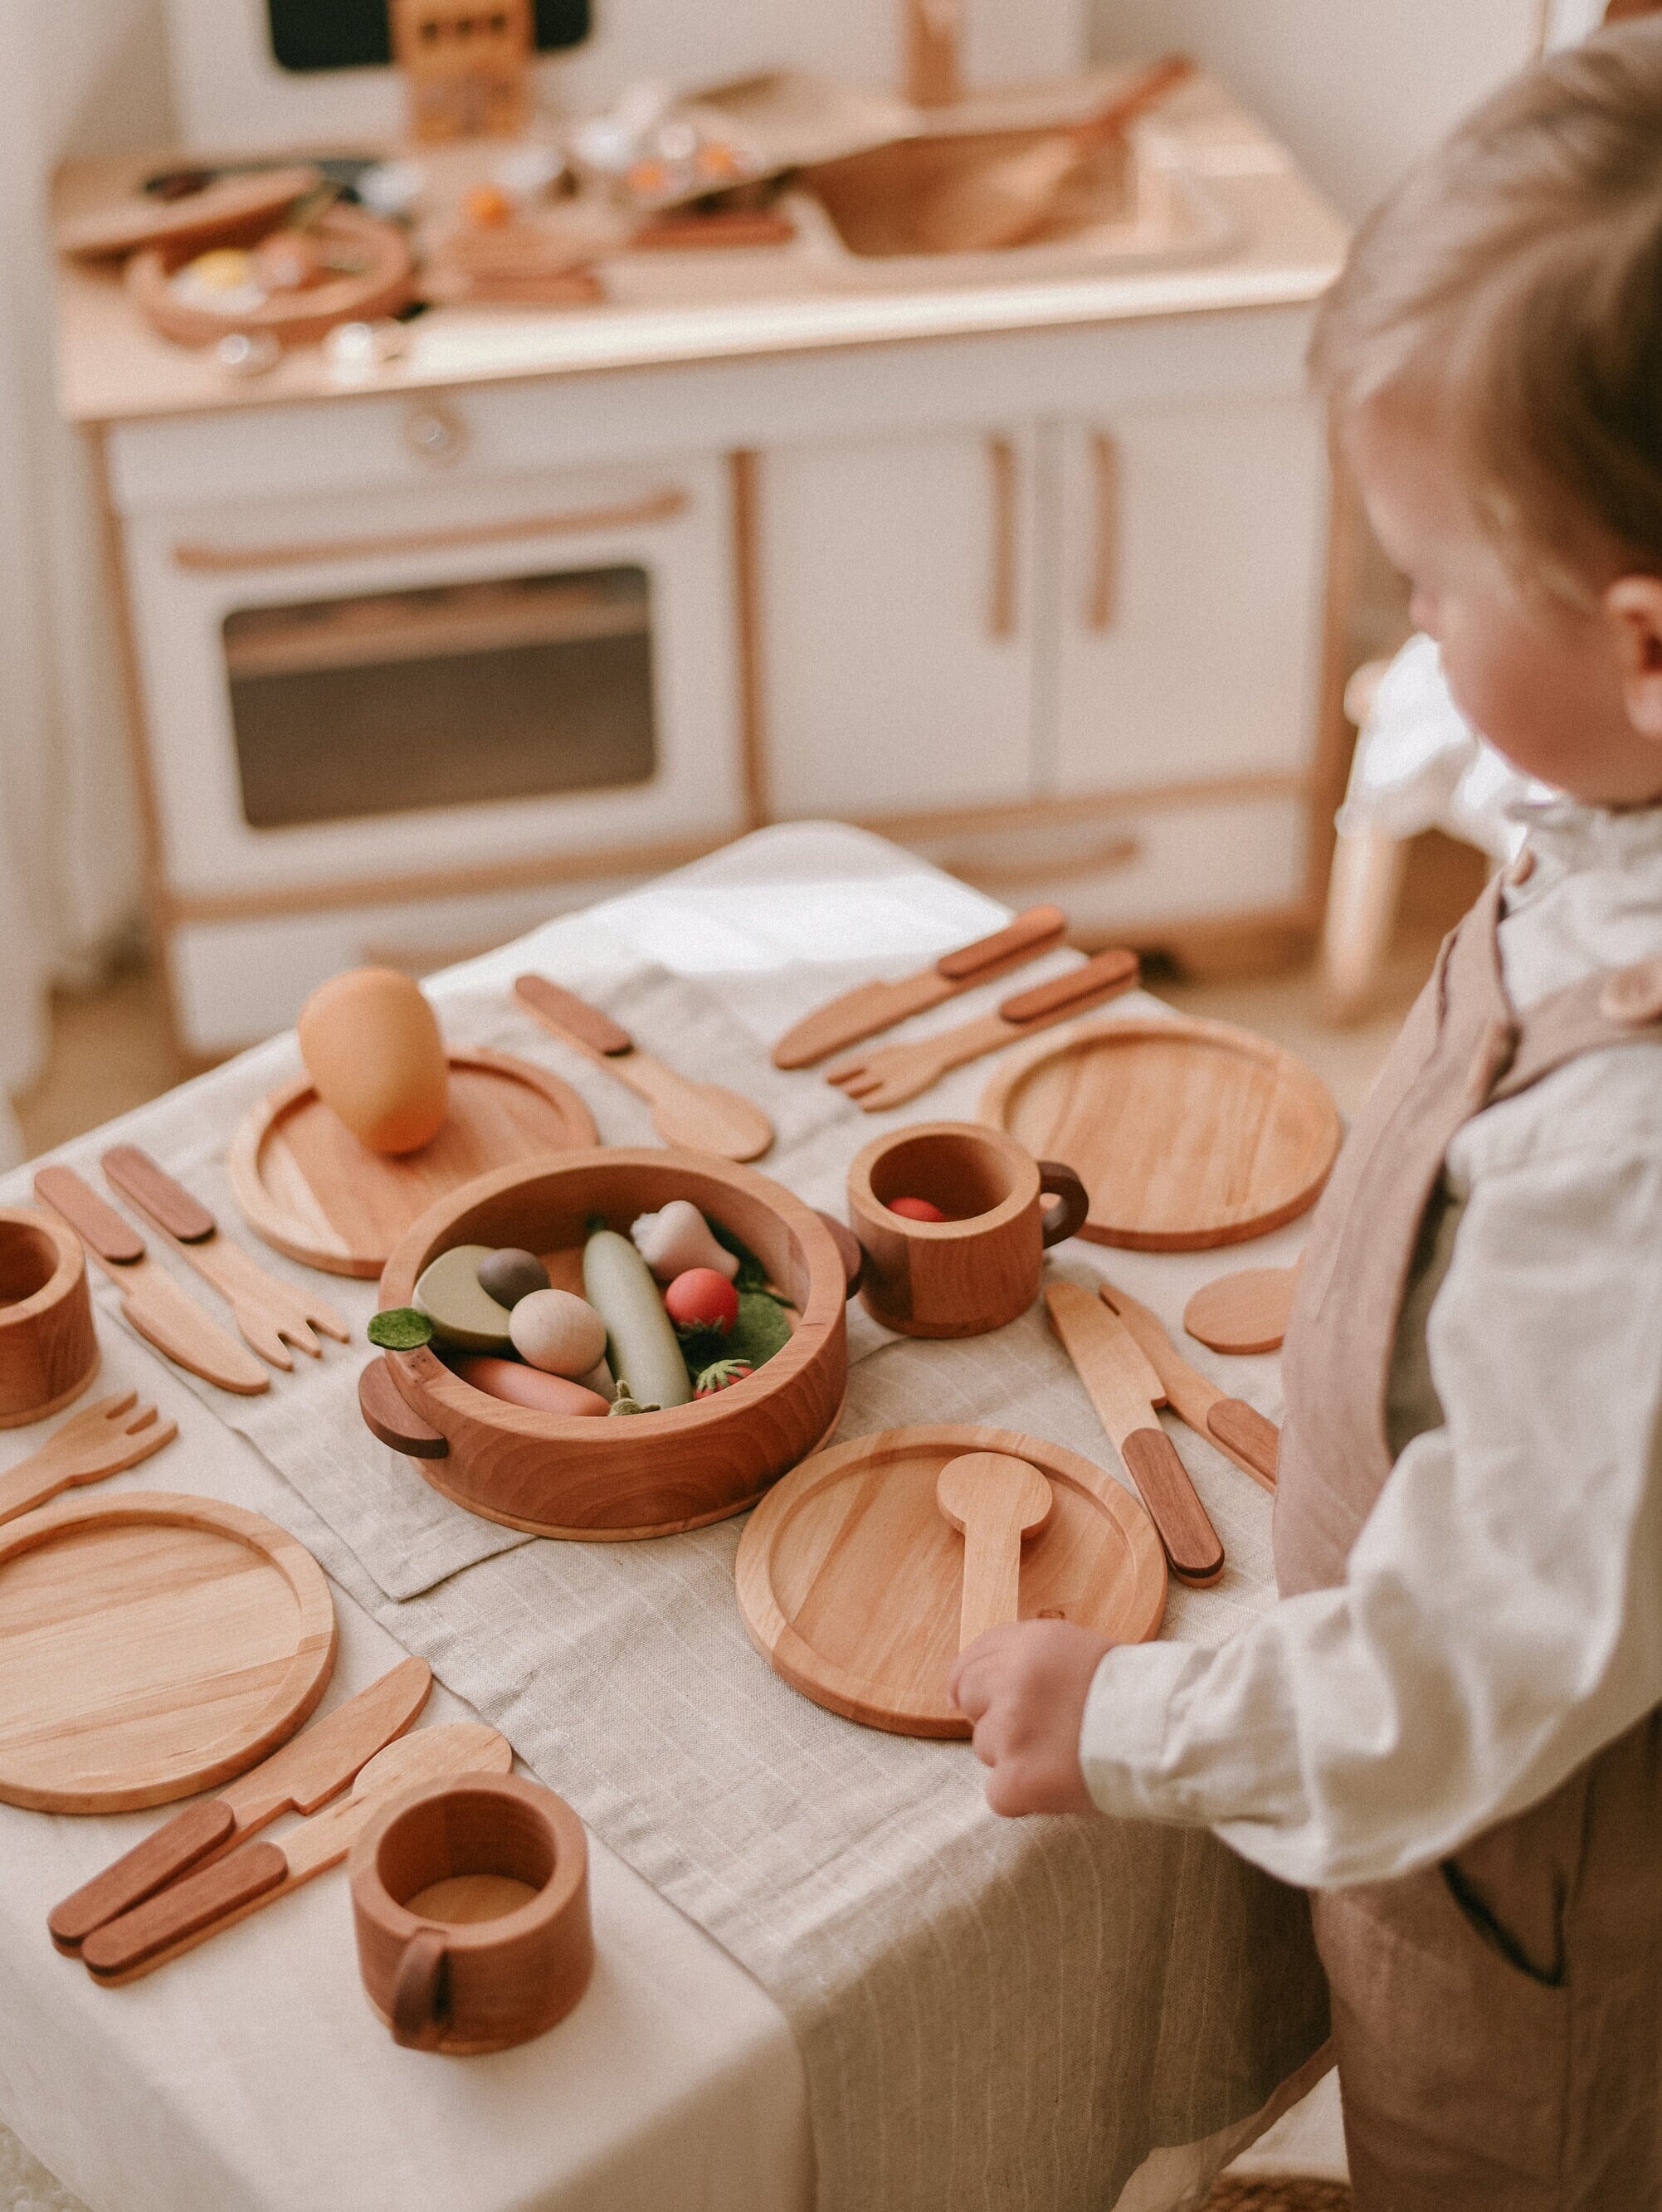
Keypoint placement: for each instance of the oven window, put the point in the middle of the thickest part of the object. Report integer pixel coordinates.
(458, 696)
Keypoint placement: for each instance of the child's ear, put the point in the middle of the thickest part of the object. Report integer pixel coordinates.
(1633, 607)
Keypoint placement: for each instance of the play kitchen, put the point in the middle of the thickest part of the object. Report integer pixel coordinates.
(857, 433)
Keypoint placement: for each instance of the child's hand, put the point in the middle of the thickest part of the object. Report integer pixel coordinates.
(1025, 1688)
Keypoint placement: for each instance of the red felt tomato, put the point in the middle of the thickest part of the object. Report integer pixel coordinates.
(701, 1299)
(916, 1209)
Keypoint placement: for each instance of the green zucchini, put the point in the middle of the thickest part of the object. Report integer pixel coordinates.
(643, 1348)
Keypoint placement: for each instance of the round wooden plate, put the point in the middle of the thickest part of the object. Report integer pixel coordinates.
(306, 1185)
(150, 1646)
(1187, 1134)
(850, 1580)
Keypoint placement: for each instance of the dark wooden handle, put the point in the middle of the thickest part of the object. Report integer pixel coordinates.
(419, 1992)
(568, 1016)
(1191, 1542)
(189, 1906)
(153, 1191)
(850, 1251)
(167, 1852)
(1245, 1431)
(62, 1190)
(1029, 933)
(388, 1417)
(1109, 972)
(1058, 1180)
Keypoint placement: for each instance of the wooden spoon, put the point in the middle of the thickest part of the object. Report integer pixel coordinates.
(997, 1502)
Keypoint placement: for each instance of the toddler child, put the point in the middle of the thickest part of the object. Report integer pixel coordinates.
(1450, 1727)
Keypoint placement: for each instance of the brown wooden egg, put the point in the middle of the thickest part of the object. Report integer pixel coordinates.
(371, 1046)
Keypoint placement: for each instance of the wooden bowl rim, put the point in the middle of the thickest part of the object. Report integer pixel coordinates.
(559, 1895)
(995, 1218)
(67, 1271)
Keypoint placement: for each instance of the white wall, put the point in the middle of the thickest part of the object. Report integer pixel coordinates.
(1357, 88)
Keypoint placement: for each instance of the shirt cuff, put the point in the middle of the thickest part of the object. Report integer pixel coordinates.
(1122, 1739)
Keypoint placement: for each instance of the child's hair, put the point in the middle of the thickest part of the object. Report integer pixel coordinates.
(1512, 284)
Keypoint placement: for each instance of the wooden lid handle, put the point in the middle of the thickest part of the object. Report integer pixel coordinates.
(167, 1852)
(109, 1236)
(1101, 978)
(1038, 925)
(390, 1420)
(189, 1906)
(850, 1250)
(153, 1192)
(568, 1016)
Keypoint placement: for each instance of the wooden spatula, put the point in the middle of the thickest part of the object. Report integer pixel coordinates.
(997, 1502)
(100, 1440)
(703, 1117)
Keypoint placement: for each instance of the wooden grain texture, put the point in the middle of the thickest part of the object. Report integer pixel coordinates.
(996, 1503)
(151, 1645)
(305, 1183)
(101, 1440)
(850, 1580)
(48, 1345)
(1237, 1430)
(1187, 1134)
(654, 1474)
(1243, 1313)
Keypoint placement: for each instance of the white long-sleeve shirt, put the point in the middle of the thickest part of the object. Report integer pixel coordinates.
(1501, 1620)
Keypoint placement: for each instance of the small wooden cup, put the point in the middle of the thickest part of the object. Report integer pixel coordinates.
(470, 1900)
(981, 1266)
(48, 1346)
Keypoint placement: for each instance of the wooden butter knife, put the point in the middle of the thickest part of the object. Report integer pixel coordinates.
(1124, 1389)
(151, 1298)
(100, 1440)
(310, 1768)
(1239, 1430)
(870, 1007)
(266, 1310)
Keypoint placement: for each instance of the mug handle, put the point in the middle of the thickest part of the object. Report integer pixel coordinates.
(418, 1993)
(1072, 1201)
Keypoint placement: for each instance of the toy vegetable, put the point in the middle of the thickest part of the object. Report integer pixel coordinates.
(679, 1239)
(721, 1374)
(618, 1285)
(701, 1303)
(559, 1332)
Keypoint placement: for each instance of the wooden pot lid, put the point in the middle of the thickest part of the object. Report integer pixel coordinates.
(226, 210)
(150, 1646)
(1186, 1133)
(1243, 1313)
(306, 1185)
(850, 1580)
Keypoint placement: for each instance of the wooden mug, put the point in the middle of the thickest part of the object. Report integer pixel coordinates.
(48, 1346)
(981, 1266)
(469, 1901)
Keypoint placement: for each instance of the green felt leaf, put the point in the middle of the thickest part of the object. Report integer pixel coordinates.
(399, 1328)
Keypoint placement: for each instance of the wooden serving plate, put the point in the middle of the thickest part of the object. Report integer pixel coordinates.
(646, 1474)
(306, 1185)
(150, 1646)
(1187, 1134)
(295, 317)
(850, 1579)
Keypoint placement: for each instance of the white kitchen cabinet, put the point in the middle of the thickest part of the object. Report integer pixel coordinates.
(898, 606)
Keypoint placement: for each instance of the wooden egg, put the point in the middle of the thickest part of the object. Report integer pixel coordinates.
(371, 1045)
(461, 1310)
(557, 1332)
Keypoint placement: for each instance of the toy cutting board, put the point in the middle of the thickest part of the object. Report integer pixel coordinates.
(151, 1645)
(850, 1579)
(1186, 1133)
(306, 1185)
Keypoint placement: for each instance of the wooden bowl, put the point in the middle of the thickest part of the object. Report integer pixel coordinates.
(380, 287)
(649, 1475)
(48, 1346)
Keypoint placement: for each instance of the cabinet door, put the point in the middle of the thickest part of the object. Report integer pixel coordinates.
(898, 619)
(1191, 582)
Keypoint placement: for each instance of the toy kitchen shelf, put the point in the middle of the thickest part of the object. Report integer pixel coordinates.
(1027, 561)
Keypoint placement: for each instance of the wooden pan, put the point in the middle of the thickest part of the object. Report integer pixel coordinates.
(306, 1185)
(295, 317)
(151, 1645)
(1187, 1134)
(850, 1579)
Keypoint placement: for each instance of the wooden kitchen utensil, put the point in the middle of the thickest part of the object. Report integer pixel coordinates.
(310, 1769)
(1237, 1430)
(256, 1874)
(48, 1345)
(1123, 1387)
(150, 1646)
(470, 1902)
(152, 1302)
(870, 1007)
(1245, 1312)
(266, 1310)
(895, 1073)
(997, 1505)
(977, 1268)
(98, 1442)
(1187, 1134)
(703, 1117)
(305, 1183)
(367, 272)
(850, 1580)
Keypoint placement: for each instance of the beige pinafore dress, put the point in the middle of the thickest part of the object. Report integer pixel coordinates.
(1498, 2018)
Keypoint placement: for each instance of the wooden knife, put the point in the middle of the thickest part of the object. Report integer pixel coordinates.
(1239, 1430)
(266, 1310)
(151, 1298)
(1124, 1389)
(310, 1768)
(870, 1007)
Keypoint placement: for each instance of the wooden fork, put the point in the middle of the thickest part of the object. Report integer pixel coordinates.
(102, 1439)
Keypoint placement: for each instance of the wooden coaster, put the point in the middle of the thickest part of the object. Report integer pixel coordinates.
(306, 1185)
(1245, 1312)
(1187, 1134)
(150, 1645)
(850, 1579)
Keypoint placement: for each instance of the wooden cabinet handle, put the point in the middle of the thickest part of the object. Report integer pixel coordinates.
(1002, 592)
(1102, 609)
(202, 556)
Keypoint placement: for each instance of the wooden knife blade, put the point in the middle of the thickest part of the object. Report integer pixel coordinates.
(870, 1007)
(1239, 1430)
(1124, 1389)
